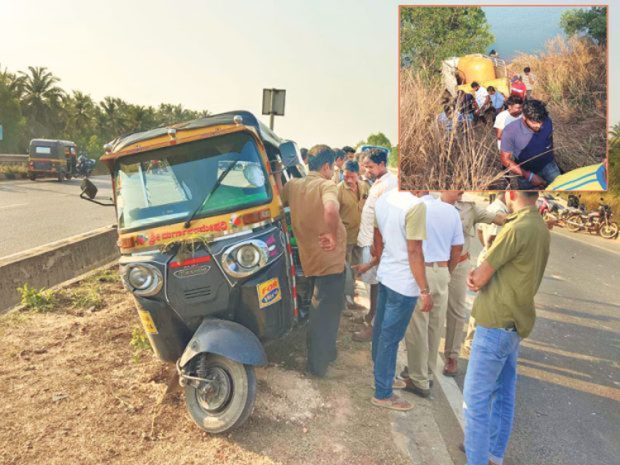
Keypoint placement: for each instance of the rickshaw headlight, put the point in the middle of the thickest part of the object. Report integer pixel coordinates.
(144, 280)
(248, 256)
(244, 259)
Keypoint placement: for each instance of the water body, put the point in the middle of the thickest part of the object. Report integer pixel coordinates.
(523, 29)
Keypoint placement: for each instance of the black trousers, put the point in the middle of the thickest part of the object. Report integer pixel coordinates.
(325, 309)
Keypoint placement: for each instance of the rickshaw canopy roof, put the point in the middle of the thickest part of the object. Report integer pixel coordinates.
(248, 119)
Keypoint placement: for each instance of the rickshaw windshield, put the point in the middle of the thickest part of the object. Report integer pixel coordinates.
(167, 185)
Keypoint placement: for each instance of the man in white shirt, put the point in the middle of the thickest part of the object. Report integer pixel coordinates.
(482, 100)
(384, 181)
(398, 236)
(504, 118)
(442, 251)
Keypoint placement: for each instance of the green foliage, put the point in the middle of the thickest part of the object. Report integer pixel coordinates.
(591, 22)
(41, 300)
(33, 105)
(87, 296)
(14, 171)
(429, 35)
(140, 343)
(380, 140)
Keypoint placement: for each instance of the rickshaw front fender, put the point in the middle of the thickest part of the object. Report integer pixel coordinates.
(226, 338)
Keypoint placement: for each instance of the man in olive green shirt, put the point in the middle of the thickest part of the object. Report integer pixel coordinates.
(506, 282)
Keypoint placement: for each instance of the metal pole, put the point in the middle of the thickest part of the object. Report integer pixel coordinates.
(272, 116)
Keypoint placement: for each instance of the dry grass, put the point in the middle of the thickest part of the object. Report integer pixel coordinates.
(432, 158)
(571, 80)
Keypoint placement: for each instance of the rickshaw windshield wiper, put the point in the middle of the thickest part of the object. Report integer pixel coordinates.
(208, 195)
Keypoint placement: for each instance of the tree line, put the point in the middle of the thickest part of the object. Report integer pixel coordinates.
(33, 105)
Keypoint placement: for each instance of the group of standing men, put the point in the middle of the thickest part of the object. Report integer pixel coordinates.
(413, 250)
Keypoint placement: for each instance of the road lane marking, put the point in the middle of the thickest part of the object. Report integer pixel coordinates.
(578, 385)
(14, 205)
(531, 344)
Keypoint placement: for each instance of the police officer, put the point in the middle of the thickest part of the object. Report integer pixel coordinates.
(458, 313)
(321, 238)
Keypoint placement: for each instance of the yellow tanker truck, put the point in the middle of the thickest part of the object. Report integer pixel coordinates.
(459, 72)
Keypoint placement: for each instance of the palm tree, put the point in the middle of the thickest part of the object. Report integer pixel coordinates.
(140, 118)
(41, 97)
(80, 112)
(113, 114)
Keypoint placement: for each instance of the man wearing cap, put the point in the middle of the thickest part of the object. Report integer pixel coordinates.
(383, 181)
(458, 311)
(352, 194)
(442, 250)
(321, 238)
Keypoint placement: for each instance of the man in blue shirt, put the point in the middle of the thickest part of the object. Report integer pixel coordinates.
(527, 147)
(497, 99)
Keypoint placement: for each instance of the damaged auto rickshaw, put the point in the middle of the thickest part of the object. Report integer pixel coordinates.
(206, 252)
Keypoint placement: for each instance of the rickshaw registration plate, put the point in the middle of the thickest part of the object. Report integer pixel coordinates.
(147, 322)
(269, 292)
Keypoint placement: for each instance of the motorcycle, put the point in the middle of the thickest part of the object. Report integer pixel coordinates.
(85, 166)
(597, 222)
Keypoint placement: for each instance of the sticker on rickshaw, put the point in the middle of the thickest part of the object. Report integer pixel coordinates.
(269, 293)
(147, 322)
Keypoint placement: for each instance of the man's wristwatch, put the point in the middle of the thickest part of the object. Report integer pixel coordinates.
(425, 291)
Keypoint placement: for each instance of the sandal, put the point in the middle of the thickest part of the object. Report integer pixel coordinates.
(393, 403)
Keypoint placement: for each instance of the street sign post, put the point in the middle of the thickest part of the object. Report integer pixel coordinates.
(1, 132)
(273, 103)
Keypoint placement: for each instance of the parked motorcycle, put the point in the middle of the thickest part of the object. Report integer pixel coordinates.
(85, 166)
(597, 222)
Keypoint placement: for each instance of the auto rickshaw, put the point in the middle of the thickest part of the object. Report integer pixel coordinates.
(206, 252)
(52, 158)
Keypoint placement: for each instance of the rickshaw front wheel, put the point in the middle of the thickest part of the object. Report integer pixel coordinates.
(227, 400)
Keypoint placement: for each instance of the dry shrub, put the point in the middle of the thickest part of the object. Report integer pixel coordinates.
(570, 79)
(435, 159)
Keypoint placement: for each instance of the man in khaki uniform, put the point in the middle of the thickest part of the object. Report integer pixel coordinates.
(321, 238)
(458, 313)
(442, 250)
(352, 194)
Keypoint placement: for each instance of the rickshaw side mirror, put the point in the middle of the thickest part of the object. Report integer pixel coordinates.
(291, 156)
(88, 189)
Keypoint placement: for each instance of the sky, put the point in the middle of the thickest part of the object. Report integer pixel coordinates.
(337, 60)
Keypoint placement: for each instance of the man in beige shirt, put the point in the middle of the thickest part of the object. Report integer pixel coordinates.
(321, 238)
(458, 312)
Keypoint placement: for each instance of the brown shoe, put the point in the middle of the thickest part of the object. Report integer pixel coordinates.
(451, 368)
(365, 335)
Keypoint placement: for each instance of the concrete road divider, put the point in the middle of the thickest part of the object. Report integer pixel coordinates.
(54, 263)
(10, 159)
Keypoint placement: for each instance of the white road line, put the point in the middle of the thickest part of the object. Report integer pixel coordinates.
(454, 395)
(14, 205)
(582, 240)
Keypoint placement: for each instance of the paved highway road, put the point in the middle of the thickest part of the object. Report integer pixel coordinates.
(43, 211)
(568, 395)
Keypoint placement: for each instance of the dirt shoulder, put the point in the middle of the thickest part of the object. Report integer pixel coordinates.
(74, 390)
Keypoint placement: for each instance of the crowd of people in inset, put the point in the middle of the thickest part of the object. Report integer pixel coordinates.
(522, 126)
(412, 252)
